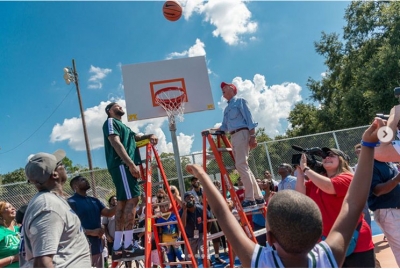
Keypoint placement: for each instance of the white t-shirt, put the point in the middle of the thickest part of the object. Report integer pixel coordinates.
(320, 256)
(52, 228)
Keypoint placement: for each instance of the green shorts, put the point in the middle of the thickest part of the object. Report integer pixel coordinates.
(126, 185)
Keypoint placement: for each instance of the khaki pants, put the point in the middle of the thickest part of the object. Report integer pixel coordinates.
(388, 220)
(241, 149)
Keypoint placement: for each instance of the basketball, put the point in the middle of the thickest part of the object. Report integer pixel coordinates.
(172, 10)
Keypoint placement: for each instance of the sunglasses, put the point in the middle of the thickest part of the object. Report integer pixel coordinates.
(59, 164)
(330, 155)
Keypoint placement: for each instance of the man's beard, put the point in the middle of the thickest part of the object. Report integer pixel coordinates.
(87, 187)
(120, 113)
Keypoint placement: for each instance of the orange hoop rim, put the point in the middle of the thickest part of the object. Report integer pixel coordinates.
(176, 100)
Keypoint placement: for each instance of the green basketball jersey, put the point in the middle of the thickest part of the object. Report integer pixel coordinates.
(115, 127)
(9, 243)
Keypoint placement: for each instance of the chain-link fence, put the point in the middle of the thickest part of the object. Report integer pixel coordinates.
(267, 156)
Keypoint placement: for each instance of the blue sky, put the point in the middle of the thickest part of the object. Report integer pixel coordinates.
(265, 48)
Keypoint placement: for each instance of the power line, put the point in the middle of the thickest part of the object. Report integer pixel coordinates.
(40, 126)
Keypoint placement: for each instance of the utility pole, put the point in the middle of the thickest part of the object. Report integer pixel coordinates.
(71, 75)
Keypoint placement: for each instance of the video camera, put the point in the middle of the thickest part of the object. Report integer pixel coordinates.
(311, 154)
(397, 95)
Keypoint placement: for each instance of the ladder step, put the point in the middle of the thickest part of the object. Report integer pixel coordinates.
(260, 232)
(216, 235)
(165, 223)
(177, 263)
(138, 230)
(159, 214)
(224, 149)
(252, 211)
(253, 208)
(172, 243)
(163, 203)
(142, 143)
(137, 258)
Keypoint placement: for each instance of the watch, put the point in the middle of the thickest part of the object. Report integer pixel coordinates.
(306, 169)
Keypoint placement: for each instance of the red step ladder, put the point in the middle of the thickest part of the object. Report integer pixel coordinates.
(219, 146)
(146, 173)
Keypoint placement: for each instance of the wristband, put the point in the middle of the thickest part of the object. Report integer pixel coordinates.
(369, 144)
(305, 169)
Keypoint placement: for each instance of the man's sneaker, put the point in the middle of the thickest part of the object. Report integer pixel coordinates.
(247, 203)
(131, 252)
(117, 254)
(218, 260)
(260, 202)
(136, 244)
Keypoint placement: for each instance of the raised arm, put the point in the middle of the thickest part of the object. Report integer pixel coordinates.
(322, 182)
(241, 244)
(300, 187)
(354, 201)
(153, 139)
(386, 152)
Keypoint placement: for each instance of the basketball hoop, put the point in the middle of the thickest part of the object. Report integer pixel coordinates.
(172, 100)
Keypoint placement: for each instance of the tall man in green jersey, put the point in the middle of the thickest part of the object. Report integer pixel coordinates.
(120, 146)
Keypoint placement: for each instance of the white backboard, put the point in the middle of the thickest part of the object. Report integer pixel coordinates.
(142, 80)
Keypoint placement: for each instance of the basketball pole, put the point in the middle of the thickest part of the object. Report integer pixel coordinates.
(172, 128)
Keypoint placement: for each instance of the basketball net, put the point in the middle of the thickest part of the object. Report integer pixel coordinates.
(172, 100)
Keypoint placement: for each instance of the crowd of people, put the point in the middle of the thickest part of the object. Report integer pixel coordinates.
(314, 218)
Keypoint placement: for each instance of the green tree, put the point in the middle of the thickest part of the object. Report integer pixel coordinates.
(14, 176)
(363, 68)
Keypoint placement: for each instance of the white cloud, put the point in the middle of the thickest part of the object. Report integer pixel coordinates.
(196, 50)
(231, 18)
(98, 75)
(185, 143)
(71, 130)
(269, 104)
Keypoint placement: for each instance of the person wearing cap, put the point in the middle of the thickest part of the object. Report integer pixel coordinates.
(196, 190)
(52, 234)
(192, 219)
(122, 162)
(328, 191)
(239, 123)
(90, 210)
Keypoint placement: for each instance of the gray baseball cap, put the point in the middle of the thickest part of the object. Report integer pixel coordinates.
(42, 165)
